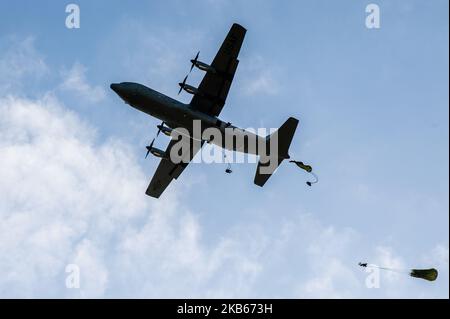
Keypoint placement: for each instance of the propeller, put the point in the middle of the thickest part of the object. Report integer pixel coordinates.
(182, 84)
(194, 61)
(149, 148)
(159, 128)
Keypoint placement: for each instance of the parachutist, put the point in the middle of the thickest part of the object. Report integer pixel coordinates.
(228, 170)
(428, 274)
(308, 169)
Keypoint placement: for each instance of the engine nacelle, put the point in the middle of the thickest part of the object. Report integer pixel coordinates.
(190, 89)
(203, 66)
(166, 130)
(158, 153)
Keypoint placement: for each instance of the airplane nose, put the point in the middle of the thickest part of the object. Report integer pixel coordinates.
(121, 91)
(114, 87)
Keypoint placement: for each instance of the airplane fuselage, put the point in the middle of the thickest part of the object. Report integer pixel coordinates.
(179, 115)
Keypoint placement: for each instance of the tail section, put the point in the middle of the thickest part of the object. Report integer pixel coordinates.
(278, 145)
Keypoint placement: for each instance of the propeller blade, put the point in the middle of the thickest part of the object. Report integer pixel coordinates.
(194, 61)
(182, 84)
(159, 128)
(149, 148)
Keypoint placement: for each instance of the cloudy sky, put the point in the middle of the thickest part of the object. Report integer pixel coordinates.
(373, 110)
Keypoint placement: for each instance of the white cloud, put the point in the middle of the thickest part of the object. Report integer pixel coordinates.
(68, 200)
(334, 279)
(157, 56)
(438, 258)
(18, 60)
(57, 188)
(88, 256)
(385, 257)
(258, 77)
(74, 80)
(263, 83)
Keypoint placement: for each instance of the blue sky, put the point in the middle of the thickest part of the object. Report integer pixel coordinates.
(373, 111)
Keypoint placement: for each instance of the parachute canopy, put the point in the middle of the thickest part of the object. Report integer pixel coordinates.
(427, 274)
(303, 166)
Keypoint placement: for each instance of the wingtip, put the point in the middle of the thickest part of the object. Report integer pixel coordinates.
(152, 195)
(237, 25)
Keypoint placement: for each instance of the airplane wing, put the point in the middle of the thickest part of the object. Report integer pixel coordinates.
(168, 170)
(213, 89)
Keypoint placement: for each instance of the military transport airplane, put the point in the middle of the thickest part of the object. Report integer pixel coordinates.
(205, 106)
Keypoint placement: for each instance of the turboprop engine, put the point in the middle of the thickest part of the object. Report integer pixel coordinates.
(164, 129)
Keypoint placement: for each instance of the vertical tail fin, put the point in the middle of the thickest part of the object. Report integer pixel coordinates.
(281, 139)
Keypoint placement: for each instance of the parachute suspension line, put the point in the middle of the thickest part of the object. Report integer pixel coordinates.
(190, 137)
(308, 169)
(366, 265)
(427, 274)
(313, 182)
(400, 271)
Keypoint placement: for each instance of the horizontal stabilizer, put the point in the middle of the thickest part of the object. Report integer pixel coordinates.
(283, 136)
(263, 172)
